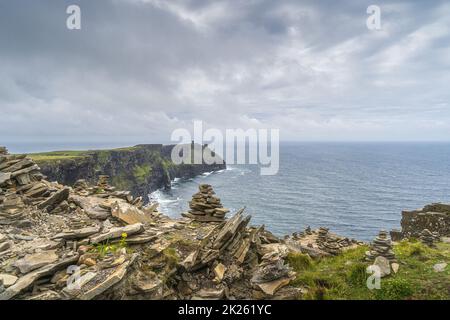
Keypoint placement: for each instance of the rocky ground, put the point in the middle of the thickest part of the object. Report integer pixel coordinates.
(96, 242)
(93, 242)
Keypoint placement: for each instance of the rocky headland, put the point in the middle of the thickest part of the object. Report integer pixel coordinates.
(91, 239)
(141, 169)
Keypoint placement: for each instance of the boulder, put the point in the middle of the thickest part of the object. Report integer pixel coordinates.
(26, 281)
(115, 233)
(4, 177)
(34, 261)
(271, 287)
(77, 233)
(111, 280)
(440, 267)
(129, 213)
(25, 170)
(55, 199)
(92, 206)
(24, 163)
(383, 264)
(7, 279)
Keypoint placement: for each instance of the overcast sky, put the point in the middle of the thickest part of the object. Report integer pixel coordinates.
(138, 69)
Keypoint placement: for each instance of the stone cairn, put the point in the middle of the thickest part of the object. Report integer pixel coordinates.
(205, 206)
(427, 237)
(21, 185)
(381, 246)
(328, 243)
(81, 187)
(103, 184)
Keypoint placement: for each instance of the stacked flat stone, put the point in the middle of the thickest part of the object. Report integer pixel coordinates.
(103, 184)
(12, 209)
(81, 186)
(328, 243)
(427, 238)
(381, 246)
(308, 230)
(22, 183)
(322, 234)
(206, 206)
(436, 236)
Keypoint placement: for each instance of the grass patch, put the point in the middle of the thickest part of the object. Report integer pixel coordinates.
(299, 261)
(74, 154)
(57, 155)
(141, 173)
(102, 249)
(344, 276)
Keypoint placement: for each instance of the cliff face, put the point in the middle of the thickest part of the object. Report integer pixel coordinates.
(434, 217)
(141, 169)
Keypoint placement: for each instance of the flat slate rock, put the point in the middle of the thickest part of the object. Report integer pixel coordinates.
(34, 261)
(115, 233)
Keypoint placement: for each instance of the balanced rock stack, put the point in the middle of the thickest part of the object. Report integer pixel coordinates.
(381, 246)
(103, 184)
(12, 209)
(81, 187)
(322, 234)
(427, 238)
(328, 243)
(205, 206)
(272, 273)
(22, 186)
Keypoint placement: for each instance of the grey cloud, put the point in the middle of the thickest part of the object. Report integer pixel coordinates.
(140, 68)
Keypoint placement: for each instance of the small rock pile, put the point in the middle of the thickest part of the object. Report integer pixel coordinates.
(332, 244)
(232, 251)
(103, 185)
(205, 206)
(427, 238)
(272, 273)
(22, 186)
(12, 209)
(381, 246)
(81, 187)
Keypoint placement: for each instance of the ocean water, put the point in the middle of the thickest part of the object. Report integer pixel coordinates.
(355, 189)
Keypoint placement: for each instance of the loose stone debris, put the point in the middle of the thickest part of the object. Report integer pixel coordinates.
(427, 238)
(96, 242)
(320, 242)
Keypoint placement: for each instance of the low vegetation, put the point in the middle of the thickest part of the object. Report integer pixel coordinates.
(141, 173)
(57, 155)
(102, 249)
(344, 276)
(73, 154)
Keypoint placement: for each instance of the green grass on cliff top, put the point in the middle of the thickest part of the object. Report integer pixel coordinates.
(344, 276)
(73, 154)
